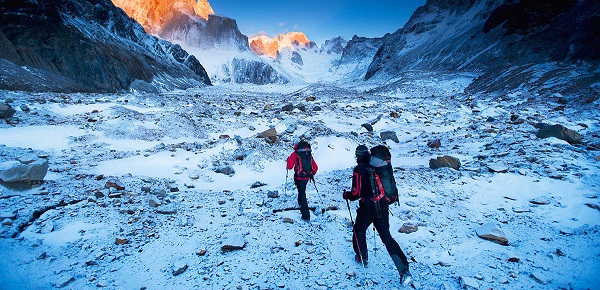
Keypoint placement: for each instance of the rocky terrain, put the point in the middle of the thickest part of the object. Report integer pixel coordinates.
(188, 189)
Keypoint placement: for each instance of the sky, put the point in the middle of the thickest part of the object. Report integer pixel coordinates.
(319, 20)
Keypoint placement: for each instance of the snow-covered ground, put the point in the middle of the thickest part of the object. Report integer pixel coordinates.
(178, 214)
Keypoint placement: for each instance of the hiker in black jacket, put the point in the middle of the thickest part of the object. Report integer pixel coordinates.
(366, 214)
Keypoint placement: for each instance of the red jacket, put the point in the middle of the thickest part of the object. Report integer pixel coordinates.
(294, 162)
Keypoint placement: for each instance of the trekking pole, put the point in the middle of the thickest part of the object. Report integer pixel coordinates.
(285, 185)
(350, 212)
(374, 241)
(320, 199)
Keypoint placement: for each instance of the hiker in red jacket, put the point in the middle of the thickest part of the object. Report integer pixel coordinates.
(305, 168)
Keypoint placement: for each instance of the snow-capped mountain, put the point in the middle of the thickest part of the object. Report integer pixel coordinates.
(213, 39)
(154, 14)
(356, 58)
(68, 45)
(502, 41)
(334, 45)
(273, 46)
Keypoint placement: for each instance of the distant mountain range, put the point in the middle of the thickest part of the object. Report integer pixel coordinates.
(91, 45)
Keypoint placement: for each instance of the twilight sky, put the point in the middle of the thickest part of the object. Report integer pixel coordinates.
(318, 19)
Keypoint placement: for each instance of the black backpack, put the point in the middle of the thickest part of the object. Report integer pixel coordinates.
(381, 176)
(303, 167)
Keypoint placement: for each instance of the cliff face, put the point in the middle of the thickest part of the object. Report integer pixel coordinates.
(218, 32)
(87, 46)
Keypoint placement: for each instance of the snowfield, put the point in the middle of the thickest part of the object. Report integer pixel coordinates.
(188, 190)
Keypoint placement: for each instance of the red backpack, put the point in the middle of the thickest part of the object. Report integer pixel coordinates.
(303, 168)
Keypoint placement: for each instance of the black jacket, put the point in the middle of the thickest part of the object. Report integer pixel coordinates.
(361, 185)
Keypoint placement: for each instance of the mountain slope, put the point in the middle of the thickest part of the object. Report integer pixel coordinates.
(490, 38)
(69, 45)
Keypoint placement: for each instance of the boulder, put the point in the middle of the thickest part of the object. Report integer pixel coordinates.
(389, 135)
(491, 232)
(6, 111)
(233, 242)
(15, 171)
(444, 161)
(268, 133)
(558, 131)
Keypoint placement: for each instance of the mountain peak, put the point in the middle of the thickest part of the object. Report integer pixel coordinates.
(153, 14)
(265, 45)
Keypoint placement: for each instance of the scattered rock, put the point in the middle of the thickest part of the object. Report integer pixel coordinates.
(116, 184)
(257, 184)
(273, 193)
(436, 143)
(558, 131)
(389, 135)
(179, 267)
(539, 201)
(288, 107)
(498, 168)
(272, 132)
(444, 161)
(8, 214)
(17, 171)
(233, 242)
(63, 281)
(408, 228)
(593, 206)
(6, 111)
(491, 232)
(227, 170)
(123, 241)
(167, 209)
(539, 277)
(153, 203)
(468, 283)
(368, 126)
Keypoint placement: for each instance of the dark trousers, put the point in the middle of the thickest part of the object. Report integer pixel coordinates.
(301, 185)
(365, 216)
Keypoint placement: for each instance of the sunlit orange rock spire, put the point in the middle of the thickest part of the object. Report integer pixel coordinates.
(264, 45)
(152, 14)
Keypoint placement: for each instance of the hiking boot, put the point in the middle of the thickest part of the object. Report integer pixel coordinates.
(405, 277)
(361, 261)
